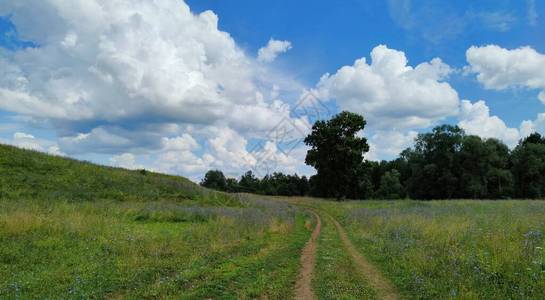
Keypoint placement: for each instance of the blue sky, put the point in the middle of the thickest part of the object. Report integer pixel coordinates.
(162, 86)
(329, 35)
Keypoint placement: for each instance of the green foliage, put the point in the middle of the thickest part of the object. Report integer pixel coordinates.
(485, 168)
(528, 160)
(435, 170)
(276, 184)
(337, 155)
(249, 183)
(26, 174)
(214, 179)
(390, 187)
(447, 164)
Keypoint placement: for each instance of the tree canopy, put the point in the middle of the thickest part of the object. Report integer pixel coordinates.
(445, 163)
(336, 152)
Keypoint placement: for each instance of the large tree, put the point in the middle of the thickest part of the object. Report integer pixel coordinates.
(336, 152)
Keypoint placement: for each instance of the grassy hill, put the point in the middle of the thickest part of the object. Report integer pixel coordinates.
(73, 230)
(27, 174)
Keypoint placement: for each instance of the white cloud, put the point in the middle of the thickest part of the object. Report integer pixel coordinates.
(28, 141)
(181, 143)
(538, 125)
(125, 160)
(390, 93)
(541, 96)
(145, 81)
(499, 68)
(272, 50)
(389, 144)
(145, 62)
(223, 149)
(475, 119)
(22, 136)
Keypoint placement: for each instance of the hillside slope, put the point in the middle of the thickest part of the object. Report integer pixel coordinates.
(26, 174)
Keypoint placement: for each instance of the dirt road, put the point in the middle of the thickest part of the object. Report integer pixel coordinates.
(303, 286)
(382, 286)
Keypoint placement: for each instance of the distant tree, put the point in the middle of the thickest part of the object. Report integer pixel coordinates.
(232, 185)
(534, 138)
(443, 164)
(303, 186)
(337, 155)
(435, 171)
(214, 179)
(249, 183)
(390, 186)
(528, 167)
(485, 168)
(499, 179)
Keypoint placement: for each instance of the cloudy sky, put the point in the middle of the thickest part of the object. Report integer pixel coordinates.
(183, 87)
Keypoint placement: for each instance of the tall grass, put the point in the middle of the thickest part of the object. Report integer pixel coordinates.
(108, 248)
(70, 229)
(453, 249)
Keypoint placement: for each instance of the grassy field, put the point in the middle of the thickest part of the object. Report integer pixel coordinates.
(451, 249)
(75, 230)
(71, 229)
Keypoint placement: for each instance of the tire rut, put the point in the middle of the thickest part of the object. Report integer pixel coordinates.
(382, 286)
(303, 286)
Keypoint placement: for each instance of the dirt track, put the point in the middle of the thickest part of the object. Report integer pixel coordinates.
(373, 276)
(382, 286)
(303, 286)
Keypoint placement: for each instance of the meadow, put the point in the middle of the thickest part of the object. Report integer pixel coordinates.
(74, 230)
(71, 229)
(147, 250)
(462, 249)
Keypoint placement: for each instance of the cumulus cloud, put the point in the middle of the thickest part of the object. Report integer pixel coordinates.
(223, 148)
(28, 141)
(475, 119)
(499, 68)
(134, 78)
(389, 144)
(274, 48)
(103, 62)
(390, 93)
(537, 125)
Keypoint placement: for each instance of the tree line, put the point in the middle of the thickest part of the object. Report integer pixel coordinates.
(445, 163)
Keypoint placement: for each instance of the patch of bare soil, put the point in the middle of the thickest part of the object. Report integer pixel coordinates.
(303, 286)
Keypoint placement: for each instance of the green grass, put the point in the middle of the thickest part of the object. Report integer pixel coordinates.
(452, 249)
(70, 229)
(27, 174)
(335, 275)
(102, 248)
